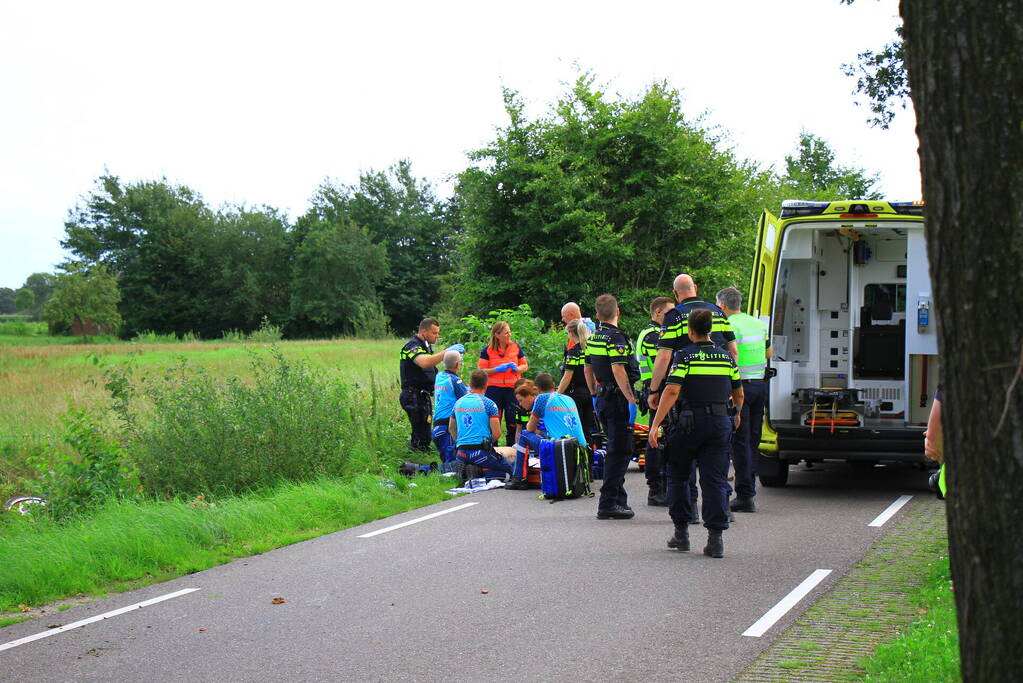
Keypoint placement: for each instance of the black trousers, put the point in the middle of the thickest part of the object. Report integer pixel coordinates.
(418, 405)
(710, 445)
(613, 411)
(584, 404)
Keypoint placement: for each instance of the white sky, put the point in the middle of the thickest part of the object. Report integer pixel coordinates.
(258, 102)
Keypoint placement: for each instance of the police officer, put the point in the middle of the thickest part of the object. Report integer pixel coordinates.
(611, 370)
(674, 338)
(754, 346)
(418, 367)
(700, 430)
(447, 388)
(646, 352)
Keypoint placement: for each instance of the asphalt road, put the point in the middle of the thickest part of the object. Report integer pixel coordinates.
(511, 588)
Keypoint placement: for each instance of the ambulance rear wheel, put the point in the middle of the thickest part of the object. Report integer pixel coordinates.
(772, 471)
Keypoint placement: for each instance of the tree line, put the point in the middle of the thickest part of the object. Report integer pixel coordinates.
(602, 193)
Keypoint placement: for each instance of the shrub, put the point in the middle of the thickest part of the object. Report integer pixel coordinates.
(543, 347)
(97, 471)
(204, 434)
(266, 333)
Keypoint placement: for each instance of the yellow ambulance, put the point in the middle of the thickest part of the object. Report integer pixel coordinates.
(845, 290)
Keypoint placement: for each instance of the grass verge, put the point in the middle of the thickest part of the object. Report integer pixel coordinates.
(929, 649)
(870, 607)
(127, 544)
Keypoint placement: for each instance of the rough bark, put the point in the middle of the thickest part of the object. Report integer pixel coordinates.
(965, 65)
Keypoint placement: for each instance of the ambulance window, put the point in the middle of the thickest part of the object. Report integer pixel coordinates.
(881, 297)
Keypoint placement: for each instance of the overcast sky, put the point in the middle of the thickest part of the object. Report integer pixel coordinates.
(258, 102)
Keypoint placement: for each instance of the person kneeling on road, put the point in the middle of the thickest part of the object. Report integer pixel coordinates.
(556, 412)
(447, 388)
(475, 426)
(700, 428)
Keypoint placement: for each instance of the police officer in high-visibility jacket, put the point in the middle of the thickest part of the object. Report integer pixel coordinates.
(646, 353)
(611, 371)
(699, 429)
(418, 367)
(754, 345)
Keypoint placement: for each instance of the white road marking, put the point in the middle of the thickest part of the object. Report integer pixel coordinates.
(416, 520)
(890, 511)
(788, 602)
(98, 617)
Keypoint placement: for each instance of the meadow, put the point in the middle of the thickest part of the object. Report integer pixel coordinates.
(42, 379)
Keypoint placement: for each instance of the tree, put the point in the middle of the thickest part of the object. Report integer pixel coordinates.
(630, 185)
(336, 267)
(39, 286)
(25, 300)
(88, 296)
(881, 78)
(155, 237)
(813, 174)
(965, 68)
(402, 213)
(7, 303)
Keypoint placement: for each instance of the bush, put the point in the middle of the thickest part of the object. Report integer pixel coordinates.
(266, 333)
(98, 470)
(204, 434)
(371, 322)
(544, 348)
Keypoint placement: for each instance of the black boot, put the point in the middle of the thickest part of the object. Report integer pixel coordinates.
(715, 544)
(741, 504)
(680, 541)
(656, 496)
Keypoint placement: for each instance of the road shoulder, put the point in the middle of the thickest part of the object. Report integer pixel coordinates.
(867, 607)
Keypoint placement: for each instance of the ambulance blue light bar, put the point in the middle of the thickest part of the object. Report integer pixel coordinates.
(800, 207)
(908, 208)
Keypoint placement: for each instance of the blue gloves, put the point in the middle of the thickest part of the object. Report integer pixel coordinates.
(457, 347)
(632, 414)
(506, 367)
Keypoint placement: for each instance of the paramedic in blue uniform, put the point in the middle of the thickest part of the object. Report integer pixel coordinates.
(674, 337)
(558, 414)
(611, 371)
(418, 367)
(706, 377)
(447, 388)
(475, 425)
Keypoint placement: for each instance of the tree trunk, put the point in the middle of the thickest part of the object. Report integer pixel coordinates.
(965, 66)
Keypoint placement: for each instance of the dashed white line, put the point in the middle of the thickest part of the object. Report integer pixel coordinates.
(416, 520)
(98, 617)
(890, 511)
(765, 622)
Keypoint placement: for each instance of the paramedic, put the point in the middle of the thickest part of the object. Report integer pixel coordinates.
(475, 426)
(754, 347)
(556, 412)
(504, 362)
(448, 388)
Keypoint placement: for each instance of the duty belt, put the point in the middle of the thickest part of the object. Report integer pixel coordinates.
(716, 409)
(441, 423)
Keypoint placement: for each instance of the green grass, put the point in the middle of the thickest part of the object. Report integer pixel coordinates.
(928, 650)
(7, 621)
(128, 544)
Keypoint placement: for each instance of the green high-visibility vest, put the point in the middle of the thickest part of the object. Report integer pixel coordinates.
(751, 338)
(646, 353)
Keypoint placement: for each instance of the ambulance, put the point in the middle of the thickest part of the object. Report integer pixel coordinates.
(845, 290)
